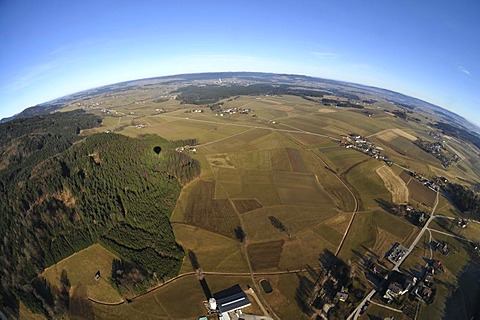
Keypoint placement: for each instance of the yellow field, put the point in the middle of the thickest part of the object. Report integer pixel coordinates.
(394, 184)
(390, 134)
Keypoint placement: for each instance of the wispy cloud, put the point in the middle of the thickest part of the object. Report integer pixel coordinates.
(463, 69)
(325, 54)
(31, 75)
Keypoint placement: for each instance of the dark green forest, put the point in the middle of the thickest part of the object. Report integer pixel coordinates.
(211, 94)
(61, 192)
(467, 201)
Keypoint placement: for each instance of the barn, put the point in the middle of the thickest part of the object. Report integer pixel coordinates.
(231, 300)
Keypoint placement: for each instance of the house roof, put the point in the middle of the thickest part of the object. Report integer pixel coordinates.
(231, 299)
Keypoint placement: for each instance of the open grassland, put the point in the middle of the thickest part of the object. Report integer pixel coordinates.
(214, 252)
(81, 268)
(300, 189)
(341, 158)
(163, 303)
(297, 219)
(282, 298)
(26, 314)
(368, 185)
(445, 208)
(375, 231)
(378, 312)
(394, 184)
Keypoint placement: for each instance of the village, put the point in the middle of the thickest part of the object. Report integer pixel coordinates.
(359, 143)
(438, 150)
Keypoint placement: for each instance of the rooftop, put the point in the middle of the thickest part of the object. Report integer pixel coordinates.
(230, 299)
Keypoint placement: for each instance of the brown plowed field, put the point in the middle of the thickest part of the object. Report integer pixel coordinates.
(265, 255)
(245, 205)
(217, 215)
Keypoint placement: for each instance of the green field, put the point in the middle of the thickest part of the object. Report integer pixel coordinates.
(81, 268)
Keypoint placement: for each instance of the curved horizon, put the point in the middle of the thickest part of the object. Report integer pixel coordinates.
(425, 50)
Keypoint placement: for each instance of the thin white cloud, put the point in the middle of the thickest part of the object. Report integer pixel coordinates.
(325, 54)
(463, 69)
(31, 75)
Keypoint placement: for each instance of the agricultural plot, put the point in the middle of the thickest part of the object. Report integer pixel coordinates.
(342, 158)
(362, 235)
(328, 233)
(394, 184)
(279, 159)
(220, 160)
(282, 299)
(390, 134)
(161, 303)
(217, 215)
(296, 161)
(350, 121)
(405, 176)
(420, 193)
(374, 231)
(265, 255)
(300, 189)
(253, 160)
(81, 268)
(367, 184)
(246, 205)
(406, 150)
(214, 252)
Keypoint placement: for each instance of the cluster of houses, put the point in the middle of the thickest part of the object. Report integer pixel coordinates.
(396, 253)
(433, 184)
(399, 284)
(424, 289)
(440, 246)
(194, 111)
(415, 216)
(141, 126)
(186, 149)
(233, 111)
(435, 136)
(359, 143)
(438, 150)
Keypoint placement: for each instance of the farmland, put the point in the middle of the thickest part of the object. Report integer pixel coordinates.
(279, 175)
(394, 184)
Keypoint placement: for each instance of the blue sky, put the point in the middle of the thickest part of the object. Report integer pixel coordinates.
(428, 49)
